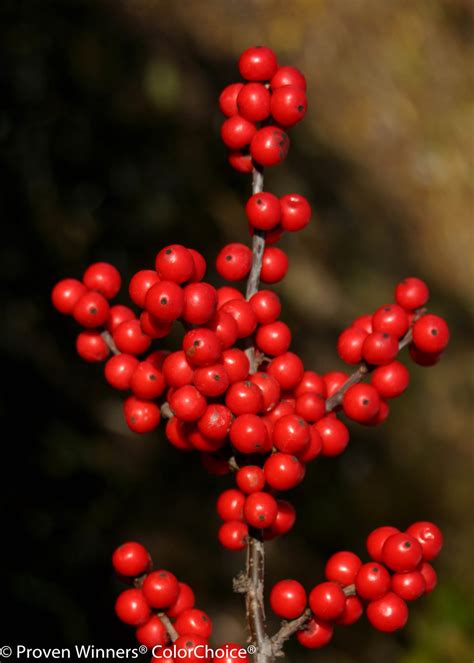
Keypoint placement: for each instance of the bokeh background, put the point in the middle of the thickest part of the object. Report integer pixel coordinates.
(109, 130)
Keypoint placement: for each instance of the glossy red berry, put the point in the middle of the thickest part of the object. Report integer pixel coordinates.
(165, 300)
(284, 521)
(274, 265)
(390, 380)
(201, 443)
(316, 633)
(334, 435)
(269, 146)
(119, 369)
(401, 552)
(288, 599)
(313, 449)
(327, 601)
(211, 381)
(201, 347)
(429, 536)
(141, 416)
(249, 434)
(288, 105)
(283, 471)
(287, 369)
(131, 559)
(147, 381)
(260, 510)
(295, 212)
(199, 266)
(250, 479)
(231, 653)
(244, 398)
(411, 293)
(343, 567)
(152, 633)
(185, 601)
(233, 535)
(91, 310)
(225, 328)
(269, 388)
(273, 339)
(129, 338)
(408, 586)
(177, 433)
(285, 406)
(216, 421)
(132, 608)
(237, 132)
(194, 622)
(258, 63)
(117, 315)
(263, 210)
(266, 306)
(66, 294)
(353, 611)
(174, 263)
(253, 102)
(91, 346)
(361, 402)
(187, 403)
(191, 648)
(230, 505)
(234, 261)
(334, 380)
(161, 589)
(311, 382)
(291, 434)
(243, 314)
(288, 76)
(431, 334)
(380, 348)
(372, 581)
(104, 278)
(310, 406)
(228, 99)
(200, 302)
(388, 613)
(363, 322)
(240, 161)
(376, 539)
(236, 364)
(429, 576)
(153, 327)
(349, 345)
(139, 285)
(392, 319)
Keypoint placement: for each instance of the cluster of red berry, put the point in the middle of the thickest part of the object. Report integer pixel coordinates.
(260, 111)
(162, 610)
(399, 571)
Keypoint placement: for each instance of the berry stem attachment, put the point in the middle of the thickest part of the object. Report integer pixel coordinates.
(288, 628)
(170, 629)
(110, 342)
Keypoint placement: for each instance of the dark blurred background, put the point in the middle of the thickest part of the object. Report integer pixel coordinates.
(109, 131)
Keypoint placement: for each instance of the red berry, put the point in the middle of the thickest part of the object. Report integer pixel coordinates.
(201, 443)
(283, 472)
(147, 381)
(199, 266)
(288, 76)
(131, 559)
(284, 521)
(194, 622)
(139, 285)
(237, 132)
(315, 634)
(248, 434)
(392, 319)
(295, 212)
(274, 265)
(327, 601)
(334, 435)
(353, 611)
(260, 510)
(225, 328)
(430, 334)
(288, 105)
(152, 633)
(287, 369)
(311, 382)
(177, 433)
(91, 310)
(313, 449)
(129, 338)
(91, 346)
(240, 161)
(117, 315)
(153, 327)
(234, 261)
(215, 422)
(132, 608)
(411, 293)
(291, 434)
(363, 322)
(429, 576)
(263, 210)
(349, 345)
(401, 552)
(211, 380)
(191, 648)
(271, 236)
(424, 358)
(200, 302)
(161, 589)
(379, 348)
(228, 99)
(250, 479)
(165, 301)
(408, 586)
(269, 146)
(177, 370)
(288, 599)
(253, 102)
(372, 581)
(312, 407)
(187, 403)
(66, 294)
(233, 535)
(391, 380)
(104, 278)
(230, 505)
(429, 536)
(244, 398)
(243, 314)
(236, 364)
(361, 402)
(226, 294)
(273, 339)
(201, 347)
(157, 358)
(174, 263)
(334, 380)
(285, 406)
(269, 388)
(185, 601)
(388, 613)
(141, 416)
(231, 653)
(342, 567)
(258, 63)
(266, 306)
(119, 369)
(376, 540)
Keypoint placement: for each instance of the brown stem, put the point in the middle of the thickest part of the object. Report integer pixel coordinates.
(287, 630)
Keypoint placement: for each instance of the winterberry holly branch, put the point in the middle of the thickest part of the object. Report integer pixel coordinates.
(235, 393)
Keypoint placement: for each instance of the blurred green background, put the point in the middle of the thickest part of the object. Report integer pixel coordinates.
(109, 132)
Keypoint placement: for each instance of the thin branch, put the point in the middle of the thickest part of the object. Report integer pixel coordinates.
(170, 629)
(110, 342)
(287, 630)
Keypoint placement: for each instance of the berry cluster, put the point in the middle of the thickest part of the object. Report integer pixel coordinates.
(399, 571)
(261, 110)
